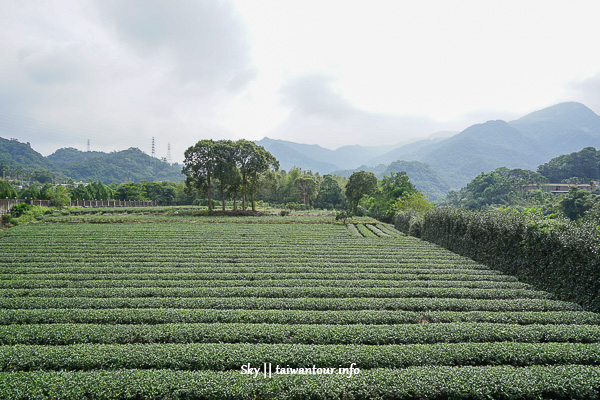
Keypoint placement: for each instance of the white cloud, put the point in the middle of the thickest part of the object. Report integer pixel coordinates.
(330, 72)
(321, 115)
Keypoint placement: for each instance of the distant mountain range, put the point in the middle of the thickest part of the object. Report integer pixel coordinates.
(436, 164)
(523, 143)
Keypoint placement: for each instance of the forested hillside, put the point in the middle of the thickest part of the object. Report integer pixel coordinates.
(580, 166)
(16, 155)
(131, 164)
(19, 160)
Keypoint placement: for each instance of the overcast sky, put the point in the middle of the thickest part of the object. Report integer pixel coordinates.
(312, 71)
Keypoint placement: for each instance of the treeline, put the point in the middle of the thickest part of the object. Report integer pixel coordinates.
(523, 190)
(162, 192)
(244, 167)
(362, 194)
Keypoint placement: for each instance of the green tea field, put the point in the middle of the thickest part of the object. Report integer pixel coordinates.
(248, 308)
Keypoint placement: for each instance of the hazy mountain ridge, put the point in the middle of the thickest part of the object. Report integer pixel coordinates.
(311, 156)
(523, 143)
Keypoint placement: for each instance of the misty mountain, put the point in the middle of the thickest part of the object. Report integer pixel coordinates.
(523, 143)
(290, 155)
(319, 159)
(405, 152)
(479, 148)
(563, 128)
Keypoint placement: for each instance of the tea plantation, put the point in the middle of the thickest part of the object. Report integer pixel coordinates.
(188, 309)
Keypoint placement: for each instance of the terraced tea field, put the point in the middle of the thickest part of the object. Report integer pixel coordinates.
(183, 310)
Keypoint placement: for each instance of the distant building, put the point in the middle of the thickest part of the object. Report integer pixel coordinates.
(562, 188)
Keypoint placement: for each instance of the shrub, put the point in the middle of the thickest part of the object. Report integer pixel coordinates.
(402, 220)
(20, 209)
(415, 226)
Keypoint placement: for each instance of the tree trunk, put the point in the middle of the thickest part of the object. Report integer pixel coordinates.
(223, 196)
(209, 197)
(244, 192)
(253, 189)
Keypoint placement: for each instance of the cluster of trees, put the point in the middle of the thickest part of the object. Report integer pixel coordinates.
(579, 204)
(234, 165)
(383, 198)
(501, 186)
(302, 189)
(163, 192)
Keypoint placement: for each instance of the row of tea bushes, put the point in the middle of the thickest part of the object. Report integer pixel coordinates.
(430, 382)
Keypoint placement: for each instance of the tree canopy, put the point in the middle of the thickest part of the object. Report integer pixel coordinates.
(227, 162)
(359, 184)
(501, 186)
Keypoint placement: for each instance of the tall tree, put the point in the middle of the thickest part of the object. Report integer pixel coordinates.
(260, 162)
(7, 190)
(243, 157)
(59, 196)
(359, 184)
(308, 188)
(330, 193)
(199, 167)
(234, 184)
(225, 169)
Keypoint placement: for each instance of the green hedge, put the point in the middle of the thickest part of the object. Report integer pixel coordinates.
(559, 256)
